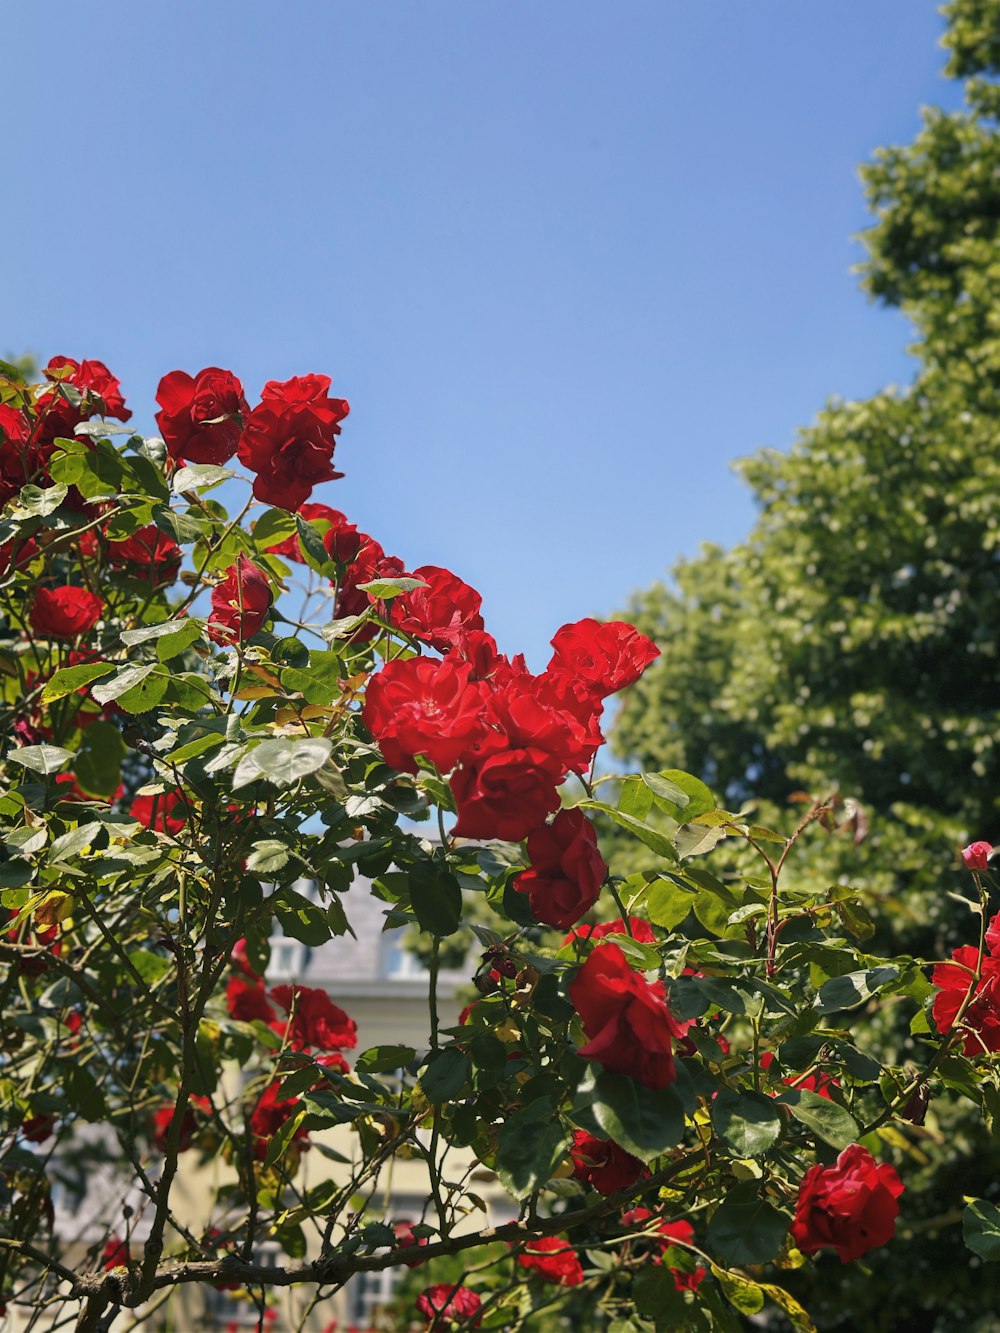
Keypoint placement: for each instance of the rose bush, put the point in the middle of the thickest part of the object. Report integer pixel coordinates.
(658, 1068)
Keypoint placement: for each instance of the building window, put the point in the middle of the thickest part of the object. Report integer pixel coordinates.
(399, 963)
(288, 959)
(222, 1307)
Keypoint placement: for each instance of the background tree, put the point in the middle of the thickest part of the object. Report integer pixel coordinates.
(849, 644)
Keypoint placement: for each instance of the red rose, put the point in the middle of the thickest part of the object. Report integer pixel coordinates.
(406, 1240)
(240, 603)
(64, 613)
(201, 417)
(166, 812)
(602, 1164)
(642, 931)
(977, 855)
(479, 649)
(666, 1234)
(504, 793)
(247, 1002)
(982, 1018)
(317, 1020)
(101, 394)
(549, 713)
(554, 1260)
(446, 1301)
(269, 1115)
(850, 1207)
(151, 553)
(440, 613)
(566, 872)
(993, 934)
(605, 657)
(628, 1021)
(163, 1119)
(289, 439)
(16, 553)
(37, 1128)
(115, 1254)
(424, 706)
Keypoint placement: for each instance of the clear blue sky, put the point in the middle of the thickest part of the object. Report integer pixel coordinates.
(566, 259)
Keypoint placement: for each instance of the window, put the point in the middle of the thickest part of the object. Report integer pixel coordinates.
(398, 963)
(223, 1309)
(288, 959)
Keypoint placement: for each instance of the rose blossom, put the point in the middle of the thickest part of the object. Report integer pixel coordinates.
(269, 1115)
(115, 1254)
(977, 855)
(642, 931)
(166, 812)
(64, 613)
(152, 554)
(247, 1002)
(101, 394)
(440, 613)
(849, 1207)
(502, 792)
(288, 440)
(628, 1021)
(240, 603)
(604, 657)
(201, 416)
(982, 1018)
(566, 871)
(552, 1259)
(446, 1301)
(424, 706)
(666, 1233)
(163, 1119)
(317, 1020)
(602, 1164)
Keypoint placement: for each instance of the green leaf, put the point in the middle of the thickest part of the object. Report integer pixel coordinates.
(445, 1075)
(741, 1292)
(698, 799)
(530, 1145)
(283, 761)
(98, 767)
(316, 554)
(981, 1229)
(745, 1228)
(169, 645)
(200, 476)
(436, 898)
(33, 500)
(384, 1059)
(854, 988)
(668, 903)
(644, 1121)
(83, 1093)
(146, 694)
(830, 1122)
(273, 527)
(74, 842)
(300, 919)
(41, 758)
(125, 679)
(655, 1294)
(697, 839)
(748, 1122)
(132, 637)
(653, 838)
(71, 679)
(268, 855)
(286, 1133)
(384, 589)
(636, 799)
(150, 966)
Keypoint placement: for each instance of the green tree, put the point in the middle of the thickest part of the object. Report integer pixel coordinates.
(849, 643)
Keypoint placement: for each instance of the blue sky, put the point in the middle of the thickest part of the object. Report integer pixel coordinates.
(566, 259)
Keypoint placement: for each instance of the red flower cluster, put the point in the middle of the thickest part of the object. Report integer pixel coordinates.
(642, 931)
(667, 1233)
(314, 1020)
(440, 614)
(601, 1164)
(628, 1020)
(981, 1021)
(849, 1207)
(448, 1302)
(267, 1117)
(567, 870)
(554, 1260)
(240, 603)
